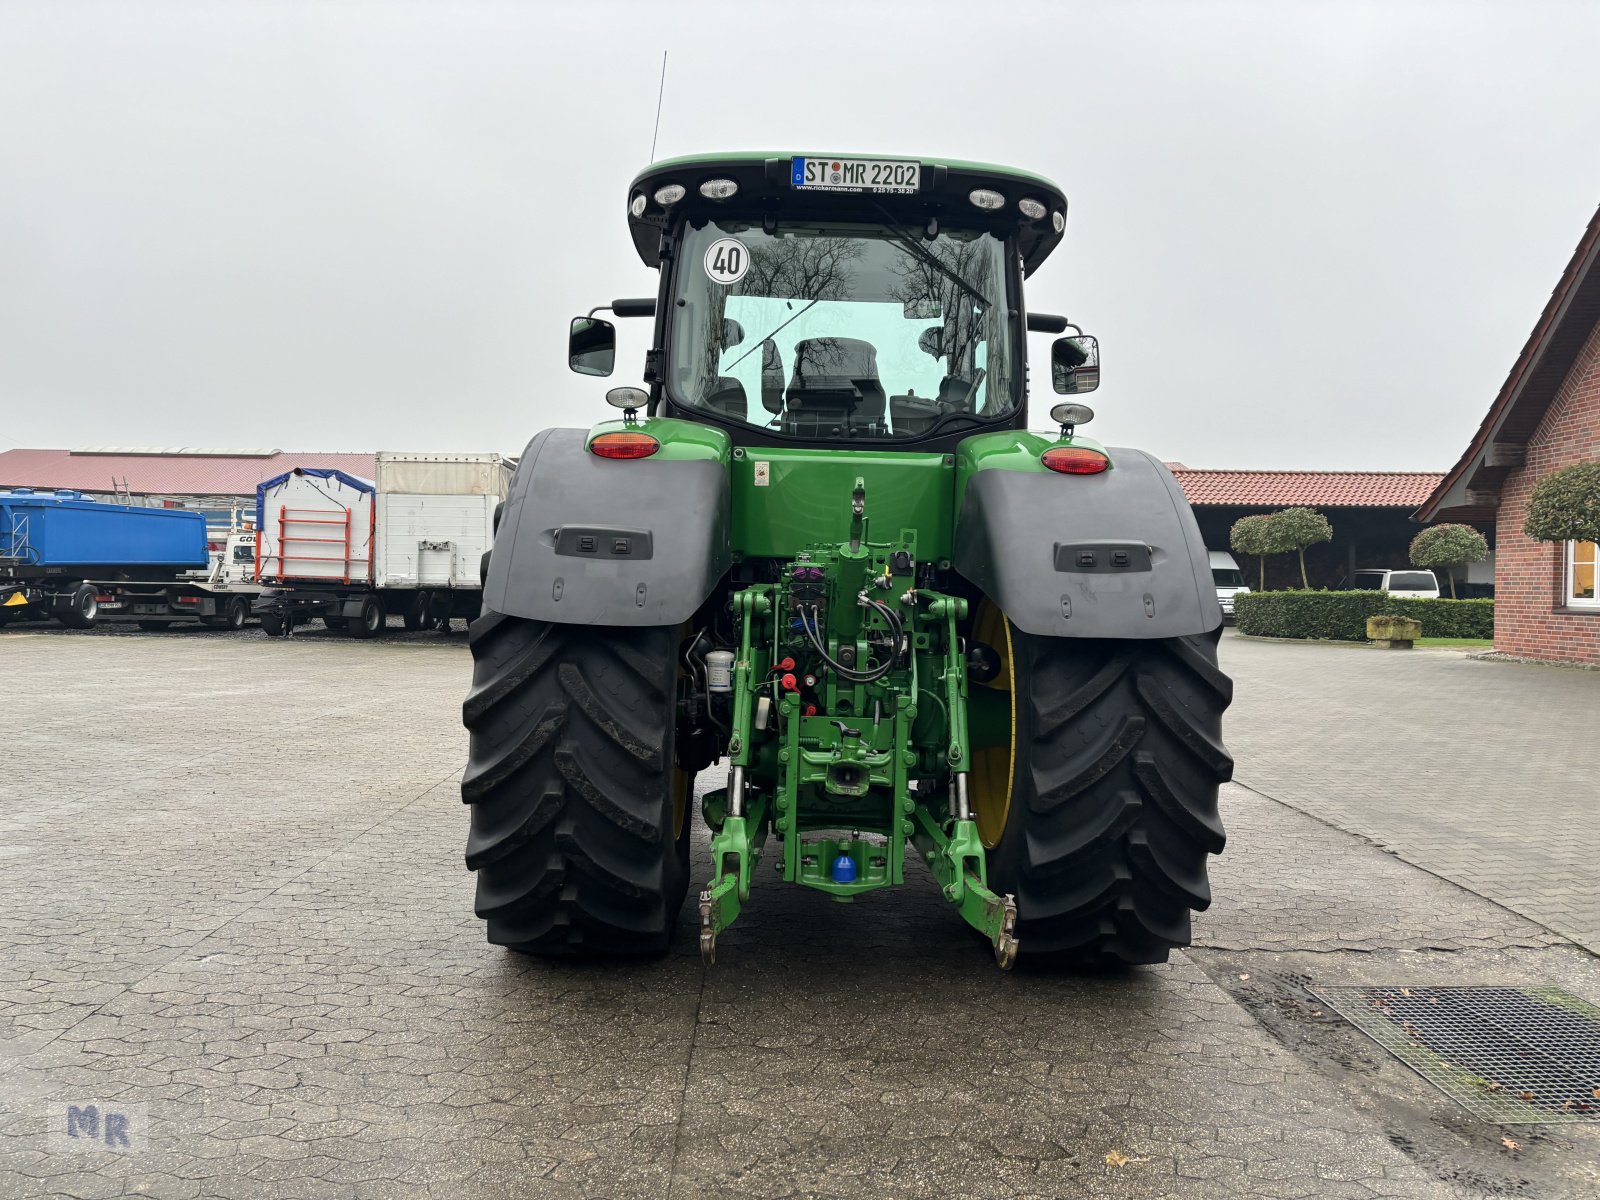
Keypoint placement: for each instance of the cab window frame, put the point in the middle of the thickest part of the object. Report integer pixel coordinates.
(665, 401)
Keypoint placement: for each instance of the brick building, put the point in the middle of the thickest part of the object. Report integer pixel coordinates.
(1546, 415)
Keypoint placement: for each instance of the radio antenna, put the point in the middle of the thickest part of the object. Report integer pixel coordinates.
(660, 93)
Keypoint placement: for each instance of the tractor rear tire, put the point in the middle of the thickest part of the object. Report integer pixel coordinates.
(1117, 761)
(580, 835)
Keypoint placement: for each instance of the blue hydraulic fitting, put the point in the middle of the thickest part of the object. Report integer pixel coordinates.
(844, 869)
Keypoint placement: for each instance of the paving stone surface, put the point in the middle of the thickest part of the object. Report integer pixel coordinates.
(1482, 772)
(1290, 882)
(231, 892)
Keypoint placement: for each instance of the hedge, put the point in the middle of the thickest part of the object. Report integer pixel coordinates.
(1447, 618)
(1342, 616)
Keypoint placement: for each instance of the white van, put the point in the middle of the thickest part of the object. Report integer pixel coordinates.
(1229, 580)
(1413, 584)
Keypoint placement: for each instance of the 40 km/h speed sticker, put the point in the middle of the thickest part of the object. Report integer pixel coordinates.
(727, 260)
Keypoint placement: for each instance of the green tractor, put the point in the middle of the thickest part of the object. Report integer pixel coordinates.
(824, 549)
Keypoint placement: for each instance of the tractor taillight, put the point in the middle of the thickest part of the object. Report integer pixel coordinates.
(1075, 460)
(624, 445)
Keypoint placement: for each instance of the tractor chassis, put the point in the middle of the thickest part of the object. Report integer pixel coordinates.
(848, 746)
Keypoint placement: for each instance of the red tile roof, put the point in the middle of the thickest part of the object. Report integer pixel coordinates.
(172, 473)
(1319, 489)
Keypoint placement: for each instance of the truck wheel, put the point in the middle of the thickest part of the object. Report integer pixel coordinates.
(370, 621)
(416, 613)
(236, 613)
(1099, 806)
(580, 835)
(83, 611)
(272, 625)
(340, 623)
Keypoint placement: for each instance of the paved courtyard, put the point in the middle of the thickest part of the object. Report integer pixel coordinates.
(1482, 772)
(232, 903)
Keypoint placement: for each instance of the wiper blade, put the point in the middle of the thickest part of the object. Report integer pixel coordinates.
(763, 341)
(908, 239)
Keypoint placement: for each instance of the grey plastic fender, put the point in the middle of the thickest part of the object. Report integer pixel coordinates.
(585, 540)
(1116, 555)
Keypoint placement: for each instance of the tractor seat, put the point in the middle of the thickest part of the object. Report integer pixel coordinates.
(726, 396)
(835, 389)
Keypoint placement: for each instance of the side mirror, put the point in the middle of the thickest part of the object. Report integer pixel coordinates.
(1075, 364)
(592, 346)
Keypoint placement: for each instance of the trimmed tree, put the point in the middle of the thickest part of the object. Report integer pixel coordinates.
(1252, 536)
(1448, 546)
(1295, 529)
(1565, 505)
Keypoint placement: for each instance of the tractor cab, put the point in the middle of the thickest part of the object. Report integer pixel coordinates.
(836, 302)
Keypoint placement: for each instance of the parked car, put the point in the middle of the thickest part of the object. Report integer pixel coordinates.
(1413, 584)
(1229, 580)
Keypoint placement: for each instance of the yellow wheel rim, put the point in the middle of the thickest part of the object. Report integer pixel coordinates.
(993, 766)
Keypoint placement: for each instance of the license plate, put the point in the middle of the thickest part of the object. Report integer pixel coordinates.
(856, 175)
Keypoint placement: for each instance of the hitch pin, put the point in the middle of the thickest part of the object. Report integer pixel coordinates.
(736, 792)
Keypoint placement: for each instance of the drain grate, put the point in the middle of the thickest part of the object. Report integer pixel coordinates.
(1512, 1055)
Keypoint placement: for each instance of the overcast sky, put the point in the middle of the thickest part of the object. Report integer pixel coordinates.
(1307, 235)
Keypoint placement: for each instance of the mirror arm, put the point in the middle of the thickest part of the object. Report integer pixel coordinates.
(644, 307)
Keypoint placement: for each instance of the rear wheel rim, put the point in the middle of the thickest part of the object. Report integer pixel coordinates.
(90, 607)
(994, 766)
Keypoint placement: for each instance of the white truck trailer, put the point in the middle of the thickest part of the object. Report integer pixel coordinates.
(353, 551)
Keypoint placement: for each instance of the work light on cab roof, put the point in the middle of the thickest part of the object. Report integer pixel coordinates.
(822, 553)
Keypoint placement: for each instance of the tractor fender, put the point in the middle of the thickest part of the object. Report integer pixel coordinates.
(1114, 555)
(585, 540)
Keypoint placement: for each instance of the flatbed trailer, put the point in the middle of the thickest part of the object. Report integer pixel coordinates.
(221, 596)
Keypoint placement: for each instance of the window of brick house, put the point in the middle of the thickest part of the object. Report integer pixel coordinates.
(1581, 591)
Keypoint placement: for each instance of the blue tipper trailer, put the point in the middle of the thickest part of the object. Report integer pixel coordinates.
(57, 548)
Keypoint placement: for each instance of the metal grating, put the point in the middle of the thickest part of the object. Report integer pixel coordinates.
(1511, 1055)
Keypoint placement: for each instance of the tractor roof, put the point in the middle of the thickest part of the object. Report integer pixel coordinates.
(766, 183)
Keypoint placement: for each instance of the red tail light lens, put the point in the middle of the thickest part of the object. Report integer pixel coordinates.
(1075, 460)
(624, 445)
